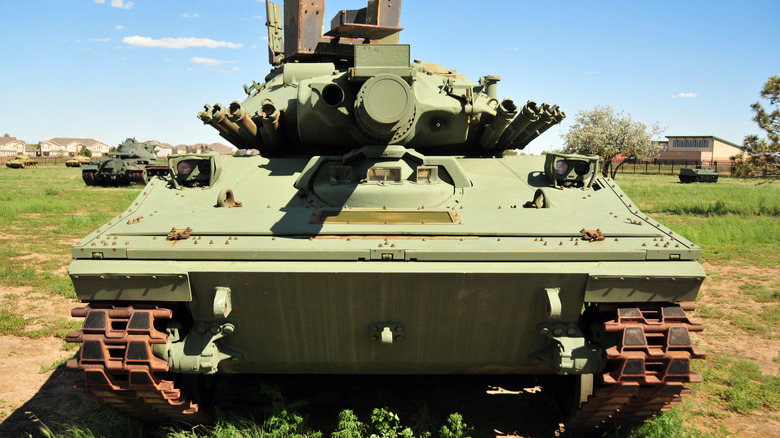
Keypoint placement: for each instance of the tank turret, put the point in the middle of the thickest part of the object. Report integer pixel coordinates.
(355, 86)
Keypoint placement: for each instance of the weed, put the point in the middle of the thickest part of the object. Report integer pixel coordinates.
(388, 425)
(349, 426)
(455, 428)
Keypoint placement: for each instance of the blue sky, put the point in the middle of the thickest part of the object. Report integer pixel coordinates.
(112, 69)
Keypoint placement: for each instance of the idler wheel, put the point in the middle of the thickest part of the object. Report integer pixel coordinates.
(385, 106)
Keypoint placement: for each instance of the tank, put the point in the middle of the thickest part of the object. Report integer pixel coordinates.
(132, 161)
(383, 230)
(698, 174)
(77, 161)
(21, 161)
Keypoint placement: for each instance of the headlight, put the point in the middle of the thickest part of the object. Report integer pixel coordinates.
(581, 168)
(561, 167)
(184, 167)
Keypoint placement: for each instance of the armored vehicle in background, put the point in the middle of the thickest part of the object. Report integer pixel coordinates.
(21, 161)
(131, 162)
(383, 231)
(77, 161)
(698, 174)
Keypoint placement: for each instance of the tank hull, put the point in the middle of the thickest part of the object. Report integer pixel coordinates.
(698, 175)
(304, 317)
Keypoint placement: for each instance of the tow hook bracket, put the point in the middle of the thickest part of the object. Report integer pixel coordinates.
(199, 351)
(222, 302)
(574, 354)
(386, 332)
(553, 302)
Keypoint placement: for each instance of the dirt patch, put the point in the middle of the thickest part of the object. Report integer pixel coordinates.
(31, 215)
(21, 360)
(35, 305)
(722, 337)
(753, 426)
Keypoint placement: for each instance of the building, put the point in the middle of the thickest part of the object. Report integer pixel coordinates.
(69, 147)
(162, 150)
(10, 146)
(706, 149)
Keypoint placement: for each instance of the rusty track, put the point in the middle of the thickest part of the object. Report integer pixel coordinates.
(119, 368)
(647, 370)
(89, 177)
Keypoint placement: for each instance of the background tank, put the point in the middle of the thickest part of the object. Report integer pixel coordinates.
(21, 161)
(131, 162)
(77, 161)
(698, 174)
(382, 231)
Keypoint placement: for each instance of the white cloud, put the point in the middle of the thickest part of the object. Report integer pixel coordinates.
(588, 73)
(209, 62)
(178, 43)
(188, 15)
(121, 4)
(100, 40)
(100, 2)
(684, 95)
(119, 27)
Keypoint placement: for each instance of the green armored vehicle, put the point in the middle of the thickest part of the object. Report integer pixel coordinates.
(77, 161)
(21, 161)
(132, 161)
(698, 174)
(382, 231)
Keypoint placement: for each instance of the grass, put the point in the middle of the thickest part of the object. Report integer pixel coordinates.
(14, 325)
(44, 210)
(733, 220)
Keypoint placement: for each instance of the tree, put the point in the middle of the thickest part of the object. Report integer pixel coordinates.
(85, 151)
(762, 154)
(607, 134)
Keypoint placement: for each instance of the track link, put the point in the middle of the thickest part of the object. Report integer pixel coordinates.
(647, 370)
(119, 368)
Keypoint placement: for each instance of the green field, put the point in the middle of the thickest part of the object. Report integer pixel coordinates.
(737, 222)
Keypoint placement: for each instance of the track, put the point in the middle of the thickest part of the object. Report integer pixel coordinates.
(648, 368)
(119, 368)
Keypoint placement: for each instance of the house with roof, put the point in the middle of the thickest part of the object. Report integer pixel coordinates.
(61, 146)
(10, 146)
(706, 149)
(162, 150)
